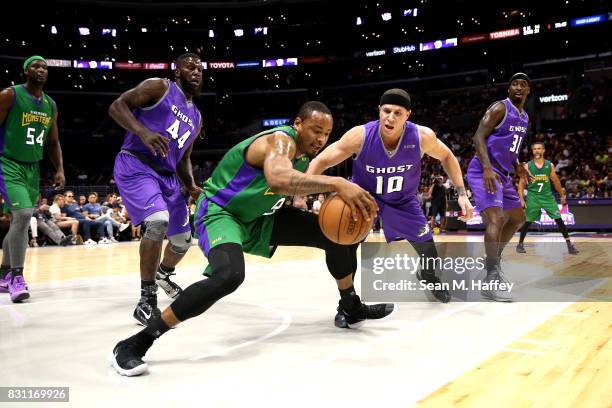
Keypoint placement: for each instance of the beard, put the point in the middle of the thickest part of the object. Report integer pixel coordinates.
(190, 88)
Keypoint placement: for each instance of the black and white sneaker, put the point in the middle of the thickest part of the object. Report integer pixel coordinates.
(571, 249)
(357, 318)
(520, 248)
(163, 281)
(127, 356)
(441, 295)
(146, 309)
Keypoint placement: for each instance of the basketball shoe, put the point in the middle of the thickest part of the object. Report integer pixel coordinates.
(17, 288)
(163, 280)
(127, 355)
(146, 309)
(442, 295)
(356, 318)
(4, 282)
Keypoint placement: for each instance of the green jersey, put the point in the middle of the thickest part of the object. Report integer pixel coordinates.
(241, 189)
(25, 129)
(541, 184)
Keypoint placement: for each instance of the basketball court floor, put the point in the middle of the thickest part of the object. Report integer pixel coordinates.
(273, 343)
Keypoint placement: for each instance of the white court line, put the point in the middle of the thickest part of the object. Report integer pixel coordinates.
(522, 351)
(281, 328)
(539, 342)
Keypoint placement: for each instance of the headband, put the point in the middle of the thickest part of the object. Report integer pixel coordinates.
(395, 99)
(520, 75)
(33, 58)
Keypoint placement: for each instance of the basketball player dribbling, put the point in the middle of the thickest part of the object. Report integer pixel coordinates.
(241, 210)
(387, 163)
(161, 123)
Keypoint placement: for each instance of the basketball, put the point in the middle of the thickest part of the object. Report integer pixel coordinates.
(339, 226)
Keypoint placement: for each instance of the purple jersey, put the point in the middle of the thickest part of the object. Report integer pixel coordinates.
(504, 143)
(172, 116)
(390, 176)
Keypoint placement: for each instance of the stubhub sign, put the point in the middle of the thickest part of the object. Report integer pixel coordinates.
(404, 48)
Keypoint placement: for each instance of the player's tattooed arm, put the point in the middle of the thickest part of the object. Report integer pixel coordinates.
(348, 145)
(282, 177)
(147, 93)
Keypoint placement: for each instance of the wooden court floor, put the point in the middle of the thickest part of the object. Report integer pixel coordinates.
(563, 361)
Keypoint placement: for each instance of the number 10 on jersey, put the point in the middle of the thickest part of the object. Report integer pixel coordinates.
(394, 184)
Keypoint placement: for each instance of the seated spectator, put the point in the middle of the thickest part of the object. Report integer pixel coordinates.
(300, 202)
(573, 192)
(93, 211)
(49, 229)
(73, 209)
(316, 205)
(590, 193)
(61, 220)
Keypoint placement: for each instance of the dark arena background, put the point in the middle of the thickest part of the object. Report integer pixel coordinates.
(273, 342)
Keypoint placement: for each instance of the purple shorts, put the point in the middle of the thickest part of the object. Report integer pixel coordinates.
(404, 221)
(145, 192)
(505, 197)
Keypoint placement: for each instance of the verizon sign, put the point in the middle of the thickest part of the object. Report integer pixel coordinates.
(553, 98)
(221, 65)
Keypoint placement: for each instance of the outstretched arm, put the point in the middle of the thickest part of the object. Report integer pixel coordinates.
(433, 147)
(284, 179)
(348, 145)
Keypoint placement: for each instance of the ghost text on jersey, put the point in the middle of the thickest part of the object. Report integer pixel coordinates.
(182, 116)
(388, 170)
(520, 129)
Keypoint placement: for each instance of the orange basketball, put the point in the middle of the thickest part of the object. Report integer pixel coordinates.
(339, 226)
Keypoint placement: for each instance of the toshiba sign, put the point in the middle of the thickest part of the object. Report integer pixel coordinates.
(221, 65)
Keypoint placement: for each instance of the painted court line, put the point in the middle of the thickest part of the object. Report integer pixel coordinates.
(279, 329)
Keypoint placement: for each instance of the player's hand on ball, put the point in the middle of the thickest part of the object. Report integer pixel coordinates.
(490, 180)
(155, 142)
(59, 180)
(467, 210)
(358, 199)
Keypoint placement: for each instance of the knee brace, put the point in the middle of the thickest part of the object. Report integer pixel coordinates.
(156, 226)
(180, 243)
(21, 218)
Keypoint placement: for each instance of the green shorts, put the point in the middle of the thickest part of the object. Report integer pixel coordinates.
(215, 226)
(535, 205)
(19, 183)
